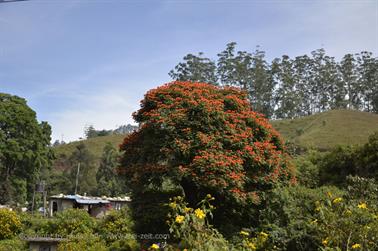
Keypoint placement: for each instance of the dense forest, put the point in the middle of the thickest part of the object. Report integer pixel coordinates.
(290, 87)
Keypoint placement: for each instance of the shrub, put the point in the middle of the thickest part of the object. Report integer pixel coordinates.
(83, 242)
(10, 224)
(307, 169)
(346, 225)
(117, 230)
(14, 244)
(343, 161)
(35, 224)
(287, 215)
(72, 222)
(190, 226)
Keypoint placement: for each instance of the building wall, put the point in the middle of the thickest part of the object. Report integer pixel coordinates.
(37, 246)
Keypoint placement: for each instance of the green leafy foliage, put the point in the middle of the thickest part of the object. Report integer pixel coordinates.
(202, 138)
(83, 242)
(10, 224)
(72, 222)
(24, 150)
(350, 160)
(190, 227)
(14, 244)
(108, 182)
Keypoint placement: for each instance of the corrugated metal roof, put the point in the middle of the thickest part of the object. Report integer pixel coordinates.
(84, 199)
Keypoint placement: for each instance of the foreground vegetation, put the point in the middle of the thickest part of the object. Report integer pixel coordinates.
(205, 173)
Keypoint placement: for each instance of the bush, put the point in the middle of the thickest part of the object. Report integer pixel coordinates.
(343, 161)
(83, 242)
(35, 224)
(117, 230)
(307, 169)
(346, 225)
(190, 227)
(287, 214)
(13, 245)
(10, 224)
(72, 222)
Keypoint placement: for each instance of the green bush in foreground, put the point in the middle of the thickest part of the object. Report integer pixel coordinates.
(10, 224)
(13, 245)
(72, 222)
(83, 242)
(190, 227)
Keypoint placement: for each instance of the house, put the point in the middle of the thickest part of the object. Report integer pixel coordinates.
(96, 206)
(43, 243)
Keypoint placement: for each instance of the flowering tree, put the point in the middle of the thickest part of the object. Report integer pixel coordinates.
(204, 139)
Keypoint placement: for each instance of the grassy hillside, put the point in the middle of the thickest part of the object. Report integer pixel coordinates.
(323, 131)
(328, 129)
(95, 145)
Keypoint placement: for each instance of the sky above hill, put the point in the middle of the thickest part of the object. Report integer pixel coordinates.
(90, 62)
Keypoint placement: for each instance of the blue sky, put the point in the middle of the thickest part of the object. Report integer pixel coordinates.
(90, 62)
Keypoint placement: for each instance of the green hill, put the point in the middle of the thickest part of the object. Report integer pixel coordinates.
(328, 129)
(322, 131)
(95, 145)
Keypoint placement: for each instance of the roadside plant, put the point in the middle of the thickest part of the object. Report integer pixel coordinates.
(10, 224)
(190, 227)
(346, 225)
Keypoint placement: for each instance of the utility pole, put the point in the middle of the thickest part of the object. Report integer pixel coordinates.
(77, 177)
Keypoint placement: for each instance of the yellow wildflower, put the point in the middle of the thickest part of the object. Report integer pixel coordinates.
(199, 213)
(187, 209)
(264, 235)
(154, 246)
(172, 205)
(251, 245)
(355, 246)
(208, 196)
(348, 212)
(329, 194)
(325, 241)
(337, 200)
(314, 221)
(244, 233)
(362, 206)
(179, 219)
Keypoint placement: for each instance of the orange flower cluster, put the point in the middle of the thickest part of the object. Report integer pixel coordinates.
(208, 135)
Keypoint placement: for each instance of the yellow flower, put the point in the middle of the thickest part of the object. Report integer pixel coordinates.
(362, 206)
(264, 235)
(337, 200)
(187, 209)
(154, 246)
(172, 205)
(244, 233)
(199, 213)
(179, 219)
(325, 241)
(314, 221)
(329, 194)
(355, 246)
(251, 245)
(208, 196)
(348, 212)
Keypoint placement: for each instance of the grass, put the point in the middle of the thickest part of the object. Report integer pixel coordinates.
(94, 145)
(328, 129)
(322, 131)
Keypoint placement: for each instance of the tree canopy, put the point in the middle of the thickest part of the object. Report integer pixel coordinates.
(24, 147)
(290, 87)
(204, 139)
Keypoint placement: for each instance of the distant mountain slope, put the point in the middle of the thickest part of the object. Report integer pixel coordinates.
(322, 131)
(328, 129)
(95, 145)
